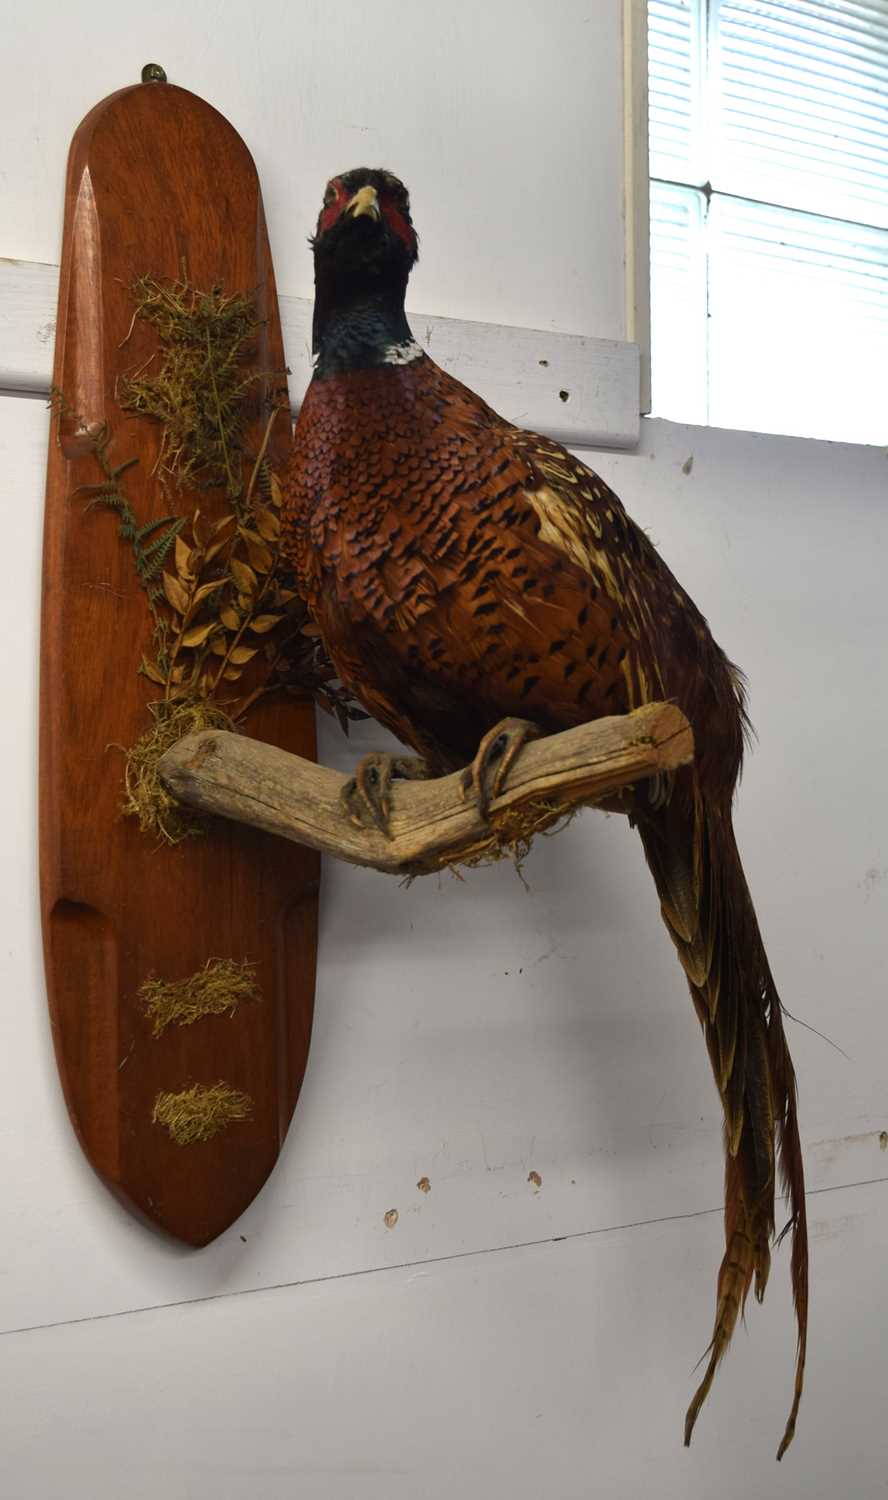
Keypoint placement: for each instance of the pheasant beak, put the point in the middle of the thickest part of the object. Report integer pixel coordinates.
(365, 201)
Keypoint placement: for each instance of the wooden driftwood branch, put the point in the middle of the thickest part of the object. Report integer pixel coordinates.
(432, 824)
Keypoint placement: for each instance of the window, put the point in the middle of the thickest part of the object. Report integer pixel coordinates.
(769, 215)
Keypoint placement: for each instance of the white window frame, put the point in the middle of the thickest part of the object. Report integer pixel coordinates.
(637, 199)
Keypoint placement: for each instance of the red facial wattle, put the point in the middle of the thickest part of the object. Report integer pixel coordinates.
(397, 223)
(331, 211)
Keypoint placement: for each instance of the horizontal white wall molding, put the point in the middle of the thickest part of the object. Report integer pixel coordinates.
(582, 391)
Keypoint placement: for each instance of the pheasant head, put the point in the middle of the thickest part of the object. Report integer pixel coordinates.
(364, 248)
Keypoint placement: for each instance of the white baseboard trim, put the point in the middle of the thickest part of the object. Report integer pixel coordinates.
(582, 391)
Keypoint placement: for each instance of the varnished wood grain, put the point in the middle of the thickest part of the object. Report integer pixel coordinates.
(157, 182)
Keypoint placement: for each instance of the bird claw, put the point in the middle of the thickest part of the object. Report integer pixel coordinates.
(496, 754)
(367, 796)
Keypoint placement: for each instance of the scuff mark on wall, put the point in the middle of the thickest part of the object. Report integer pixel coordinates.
(830, 1229)
(829, 1150)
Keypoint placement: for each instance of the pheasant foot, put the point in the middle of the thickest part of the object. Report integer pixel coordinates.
(496, 754)
(367, 796)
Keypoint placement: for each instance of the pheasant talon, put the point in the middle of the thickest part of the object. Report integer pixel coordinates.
(367, 796)
(496, 754)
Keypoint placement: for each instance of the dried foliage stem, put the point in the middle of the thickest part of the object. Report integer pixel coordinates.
(260, 456)
(233, 484)
(237, 638)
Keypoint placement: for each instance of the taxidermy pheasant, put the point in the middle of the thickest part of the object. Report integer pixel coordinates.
(475, 584)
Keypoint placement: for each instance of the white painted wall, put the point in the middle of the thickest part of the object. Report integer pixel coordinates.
(500, 1340)
(504, 118)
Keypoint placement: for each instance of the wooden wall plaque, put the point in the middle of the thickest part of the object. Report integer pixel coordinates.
(158, 183)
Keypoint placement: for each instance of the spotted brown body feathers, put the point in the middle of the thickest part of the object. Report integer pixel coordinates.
(487, 570)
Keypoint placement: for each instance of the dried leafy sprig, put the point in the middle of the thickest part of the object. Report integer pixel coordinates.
(303, 669)
(227, 593)
(223, 593)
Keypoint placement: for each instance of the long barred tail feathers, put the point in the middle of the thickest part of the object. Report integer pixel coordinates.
(734, 1279)
(792, 1178)
(708, 912)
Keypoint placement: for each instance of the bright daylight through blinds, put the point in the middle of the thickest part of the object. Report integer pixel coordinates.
(769, 215)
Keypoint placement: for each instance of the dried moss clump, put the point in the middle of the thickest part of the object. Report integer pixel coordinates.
(215, 990)
(510, 835)
(145, 796)
(197, 392)
(199, 1113)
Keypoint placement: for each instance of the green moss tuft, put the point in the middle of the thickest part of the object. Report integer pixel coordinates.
(199, 1113)
(145, 797)
(216, 989)
(203, 374)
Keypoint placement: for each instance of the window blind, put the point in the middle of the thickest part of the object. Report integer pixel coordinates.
(769, 134)
(798, 99)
